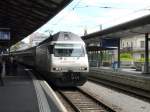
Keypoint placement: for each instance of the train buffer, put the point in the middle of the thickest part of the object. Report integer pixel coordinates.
(20, 92)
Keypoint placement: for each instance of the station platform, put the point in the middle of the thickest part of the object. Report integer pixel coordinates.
(118, 101)
(21, 91)
(129, 77)
(17, 93)
(124, 71)
(130, 71)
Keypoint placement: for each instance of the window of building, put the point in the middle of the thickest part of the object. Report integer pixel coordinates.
(131, 44)
(142, 55)
(122, 44)
(127, 44)
(142, 44)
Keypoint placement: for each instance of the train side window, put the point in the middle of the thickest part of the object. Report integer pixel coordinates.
(50, 49)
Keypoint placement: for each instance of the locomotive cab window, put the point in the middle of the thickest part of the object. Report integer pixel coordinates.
(50, 49)
(68, 50)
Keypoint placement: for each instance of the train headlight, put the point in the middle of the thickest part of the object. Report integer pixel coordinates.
(57, 69)
(83, 68)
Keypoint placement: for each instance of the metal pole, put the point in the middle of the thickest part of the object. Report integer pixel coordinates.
(119, 53)
(96, 58)
(101, 57)
(146, 70)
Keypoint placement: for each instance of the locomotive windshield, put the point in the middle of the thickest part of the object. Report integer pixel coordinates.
(68, 50)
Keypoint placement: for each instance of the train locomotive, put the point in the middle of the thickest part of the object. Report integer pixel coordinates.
(61, 58)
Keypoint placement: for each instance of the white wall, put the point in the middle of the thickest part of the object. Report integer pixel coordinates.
(136, 40)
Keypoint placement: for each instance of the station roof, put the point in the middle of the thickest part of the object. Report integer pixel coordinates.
(128, 29)
(98, 48)
(22, 17)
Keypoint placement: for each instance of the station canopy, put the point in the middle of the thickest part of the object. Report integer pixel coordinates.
(22, 17)
(128, 29)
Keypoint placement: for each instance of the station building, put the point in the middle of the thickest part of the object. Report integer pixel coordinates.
(135, 47)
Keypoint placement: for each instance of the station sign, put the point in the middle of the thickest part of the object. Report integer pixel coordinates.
(4, 35)
(109, 42)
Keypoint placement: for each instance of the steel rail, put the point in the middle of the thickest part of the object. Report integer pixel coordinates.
(81, 101)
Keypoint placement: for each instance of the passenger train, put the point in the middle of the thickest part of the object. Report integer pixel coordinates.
(62, 58)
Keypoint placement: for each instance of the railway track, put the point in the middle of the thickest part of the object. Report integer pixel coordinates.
(81, 101)
(76, 100)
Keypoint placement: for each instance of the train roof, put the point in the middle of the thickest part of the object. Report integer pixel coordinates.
(24, 50)
(62, 36)
(66, 36)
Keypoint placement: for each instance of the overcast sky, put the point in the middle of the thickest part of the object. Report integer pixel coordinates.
(90, 14)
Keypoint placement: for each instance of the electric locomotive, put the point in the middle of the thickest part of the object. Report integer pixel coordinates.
(62, 58)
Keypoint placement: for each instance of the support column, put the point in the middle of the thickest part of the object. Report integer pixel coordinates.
(9, 50)
(97, 58)
(146, 70)
(101, 57)
(119, 53)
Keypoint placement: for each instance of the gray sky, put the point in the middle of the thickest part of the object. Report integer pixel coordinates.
(90, 14)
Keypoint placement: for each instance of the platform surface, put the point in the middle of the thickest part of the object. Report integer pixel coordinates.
(117, 100)
(127, 71)
(17, 94)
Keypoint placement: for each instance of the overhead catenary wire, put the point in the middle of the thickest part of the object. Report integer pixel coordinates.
(73, 8)
(96, 6)
(118, 18)
(78, 5)
(67, 13)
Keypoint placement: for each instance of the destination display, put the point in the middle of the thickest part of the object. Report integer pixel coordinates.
(4, 35)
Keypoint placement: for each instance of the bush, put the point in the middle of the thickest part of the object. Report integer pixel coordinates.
(126, 57)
